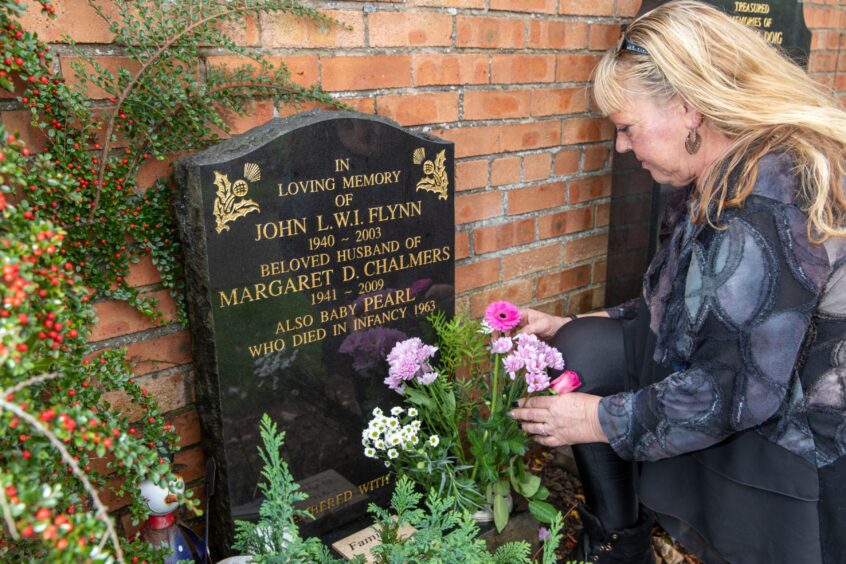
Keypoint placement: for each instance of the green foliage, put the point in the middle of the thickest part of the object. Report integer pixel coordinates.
(72, 220)
(276, 538)
(443, 535)
(159, 105)
(53, 419)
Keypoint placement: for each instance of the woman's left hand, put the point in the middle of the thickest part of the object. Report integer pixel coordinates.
(566, 419)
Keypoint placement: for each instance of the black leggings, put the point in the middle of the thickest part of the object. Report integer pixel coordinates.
(594, 348)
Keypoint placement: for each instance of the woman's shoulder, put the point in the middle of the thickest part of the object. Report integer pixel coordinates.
(777, 178)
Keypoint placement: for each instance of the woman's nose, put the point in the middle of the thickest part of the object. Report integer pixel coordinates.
(622, 144)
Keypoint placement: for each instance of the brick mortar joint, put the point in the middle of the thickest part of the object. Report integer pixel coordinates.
(137, 337)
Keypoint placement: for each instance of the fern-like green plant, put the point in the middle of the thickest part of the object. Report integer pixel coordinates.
(443, 535)
(275, 537)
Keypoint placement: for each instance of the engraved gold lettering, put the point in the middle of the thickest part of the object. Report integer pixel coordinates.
(307, 337)
(405, 261)
(274, 288)
(381, 301)
(391, 212)
(381, 318)
(338, 313)
(375, 484)
(343, 218)
(294, 264)
(267, 347)
(310, 186)
(282, 228)
(367, 251)
(372, 179)
(752, 7)
(330, 502)
(299, 322)
(775, 37)
(341, 165)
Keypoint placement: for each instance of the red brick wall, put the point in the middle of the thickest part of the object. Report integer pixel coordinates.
(506, 80)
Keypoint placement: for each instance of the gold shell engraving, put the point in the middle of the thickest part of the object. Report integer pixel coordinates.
(229, 202)
(435, 179)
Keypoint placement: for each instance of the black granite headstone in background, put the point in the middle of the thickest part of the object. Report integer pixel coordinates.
(312, 245)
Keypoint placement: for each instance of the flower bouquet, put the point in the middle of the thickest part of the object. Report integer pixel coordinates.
(454, 434)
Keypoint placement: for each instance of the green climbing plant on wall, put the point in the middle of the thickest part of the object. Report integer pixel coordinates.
(72, 221)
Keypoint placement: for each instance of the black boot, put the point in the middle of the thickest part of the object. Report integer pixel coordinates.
(628, 546)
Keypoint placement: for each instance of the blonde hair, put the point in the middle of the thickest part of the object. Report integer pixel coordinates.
(747, 90)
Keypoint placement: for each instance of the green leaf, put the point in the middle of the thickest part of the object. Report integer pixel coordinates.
(542, 511)
(541, 494)
(449, 406)
(502, 488)
(500, 511)
(417, 398)
(528, 485)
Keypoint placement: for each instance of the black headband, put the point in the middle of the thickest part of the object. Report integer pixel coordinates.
(626, 45)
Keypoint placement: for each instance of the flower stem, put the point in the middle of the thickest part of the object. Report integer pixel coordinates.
(494, 396)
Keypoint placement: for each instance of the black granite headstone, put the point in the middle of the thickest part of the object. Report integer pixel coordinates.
(312, 245)
(781, 22)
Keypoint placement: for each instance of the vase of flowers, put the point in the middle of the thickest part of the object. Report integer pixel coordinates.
(454, 434)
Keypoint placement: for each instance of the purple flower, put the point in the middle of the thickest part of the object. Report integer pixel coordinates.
(501, 345)
(409, 360)
(537, 381)
(535, 357)
(502, 316)
(543, 534)
(513, 364)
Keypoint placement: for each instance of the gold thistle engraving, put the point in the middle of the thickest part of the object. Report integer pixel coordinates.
(227, 206)
(436, 177)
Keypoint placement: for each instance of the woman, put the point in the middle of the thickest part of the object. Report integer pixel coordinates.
(723, 388)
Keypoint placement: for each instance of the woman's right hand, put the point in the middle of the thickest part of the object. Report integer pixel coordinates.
(538, 323)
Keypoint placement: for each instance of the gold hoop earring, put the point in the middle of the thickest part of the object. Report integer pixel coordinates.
(693, 141)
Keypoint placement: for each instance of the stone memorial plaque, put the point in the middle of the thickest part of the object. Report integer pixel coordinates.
(312, 245)
(361, 543)
(781, 22)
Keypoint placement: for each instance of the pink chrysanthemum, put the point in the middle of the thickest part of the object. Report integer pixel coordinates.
(502, 316)
(501, 345)
(535, 357)
(409, 360)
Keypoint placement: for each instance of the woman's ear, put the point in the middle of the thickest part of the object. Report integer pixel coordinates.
(692, 117)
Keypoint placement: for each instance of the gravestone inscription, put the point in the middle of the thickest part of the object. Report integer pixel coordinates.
(313, 244)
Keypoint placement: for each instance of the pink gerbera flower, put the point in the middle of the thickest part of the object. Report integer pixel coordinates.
(502, 316)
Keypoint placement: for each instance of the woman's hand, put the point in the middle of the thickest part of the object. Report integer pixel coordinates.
(538, 323)
(566, 419)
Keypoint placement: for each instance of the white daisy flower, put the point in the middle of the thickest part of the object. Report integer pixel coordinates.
(393, 453)
(412, 412)
(370, 452)
(397, 410)
(434, 441)
(377, 412)
(392, 422)
(380, 444)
